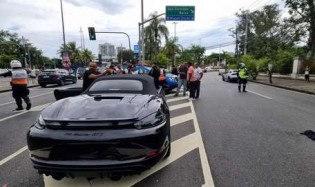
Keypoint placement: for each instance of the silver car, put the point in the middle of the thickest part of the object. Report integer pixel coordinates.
(230, 75)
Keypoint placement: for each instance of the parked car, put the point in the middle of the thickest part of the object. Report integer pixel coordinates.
(119, 125)
(80, 72)
(56, 76)
(230, 75)
(171, 80)
(221, 71)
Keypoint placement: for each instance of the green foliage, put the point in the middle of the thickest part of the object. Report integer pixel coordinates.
(77, 57)
(302, 19)
(153, 34)
(162, 60)
(12, 47)
(125, 56)
(253, 65)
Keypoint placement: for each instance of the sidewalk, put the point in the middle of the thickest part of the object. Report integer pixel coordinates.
(287, 83)
(5, 83)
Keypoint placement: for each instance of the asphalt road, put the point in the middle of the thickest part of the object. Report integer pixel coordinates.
(246, 139)
(253, 138)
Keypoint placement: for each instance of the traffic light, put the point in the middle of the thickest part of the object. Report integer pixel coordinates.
(92, 33)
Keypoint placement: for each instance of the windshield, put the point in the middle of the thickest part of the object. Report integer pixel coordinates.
(109, 86)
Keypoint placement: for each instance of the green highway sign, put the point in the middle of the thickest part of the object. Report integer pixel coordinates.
(180, 13)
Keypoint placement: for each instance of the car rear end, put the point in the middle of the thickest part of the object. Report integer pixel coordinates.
(49, 77)
(100, 147)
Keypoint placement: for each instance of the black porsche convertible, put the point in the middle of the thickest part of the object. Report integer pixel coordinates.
(119, 125)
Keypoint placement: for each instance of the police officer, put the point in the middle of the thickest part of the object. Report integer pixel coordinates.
(19, 84)
(242, 77)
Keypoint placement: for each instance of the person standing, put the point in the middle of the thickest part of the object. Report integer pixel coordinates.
(307, 74)
(174, 70)
(182, 81)
(90, 75)
(191, 79)
(155, 73)
(19, 85)
(198, 74)
(242, 75)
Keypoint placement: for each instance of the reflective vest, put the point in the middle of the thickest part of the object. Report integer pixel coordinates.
(242, 73)
(19, 76)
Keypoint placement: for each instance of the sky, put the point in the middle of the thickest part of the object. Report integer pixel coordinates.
(40, 21)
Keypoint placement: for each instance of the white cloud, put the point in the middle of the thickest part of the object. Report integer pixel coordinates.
(40, 20)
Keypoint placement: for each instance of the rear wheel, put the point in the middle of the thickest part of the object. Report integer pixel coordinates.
(43, 85)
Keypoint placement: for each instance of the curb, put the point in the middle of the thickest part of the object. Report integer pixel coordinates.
(9, 90)
(283, 87)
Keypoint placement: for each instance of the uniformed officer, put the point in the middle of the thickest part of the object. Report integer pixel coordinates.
(19, 85)
(242, 77)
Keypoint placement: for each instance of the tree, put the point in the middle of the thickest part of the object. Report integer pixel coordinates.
(153, 34)
(197, 52)
(171, 49)
(12, 47)
(303, 18)
(125, 56)
(86, 56)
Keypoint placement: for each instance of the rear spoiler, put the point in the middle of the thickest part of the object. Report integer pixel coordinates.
(64, 93)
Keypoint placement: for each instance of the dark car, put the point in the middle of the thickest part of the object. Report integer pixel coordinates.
(56, 76)
(119, 125)
(80, 72)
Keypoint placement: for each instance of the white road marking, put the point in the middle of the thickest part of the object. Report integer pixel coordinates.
(181, 119)
(34, 109)
(175, 107)
(202, 151)
(30, 98)
(12, 116)
(8, 158)
(176, 99)
(259, 94)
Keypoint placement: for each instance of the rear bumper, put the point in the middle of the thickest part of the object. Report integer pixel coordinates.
(114, 151)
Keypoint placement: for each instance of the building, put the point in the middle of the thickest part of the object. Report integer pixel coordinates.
(120, 49)
(107, 51)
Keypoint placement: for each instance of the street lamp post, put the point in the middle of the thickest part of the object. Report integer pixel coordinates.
(63, 26)
(142, 36)
(174, 43)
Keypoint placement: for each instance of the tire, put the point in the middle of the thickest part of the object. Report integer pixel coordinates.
(42, 85)
(74, 81)
(229, 80)
(168, 153)
(223, 78)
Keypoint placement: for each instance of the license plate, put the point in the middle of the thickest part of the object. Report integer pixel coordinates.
(46, 76)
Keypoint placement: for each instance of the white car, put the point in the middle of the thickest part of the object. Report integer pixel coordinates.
(230, 75)
(222, 71)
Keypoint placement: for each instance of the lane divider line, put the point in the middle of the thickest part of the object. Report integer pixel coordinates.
(202, 151)
(30, 98)
(8, 158)
(34, 109)
(259, 94)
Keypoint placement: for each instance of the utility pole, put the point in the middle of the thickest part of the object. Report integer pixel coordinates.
(236, 45)
(81, 37)
(174, 43)
(142, 36)
(24, 45)
(63, 26)
(246, 34)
